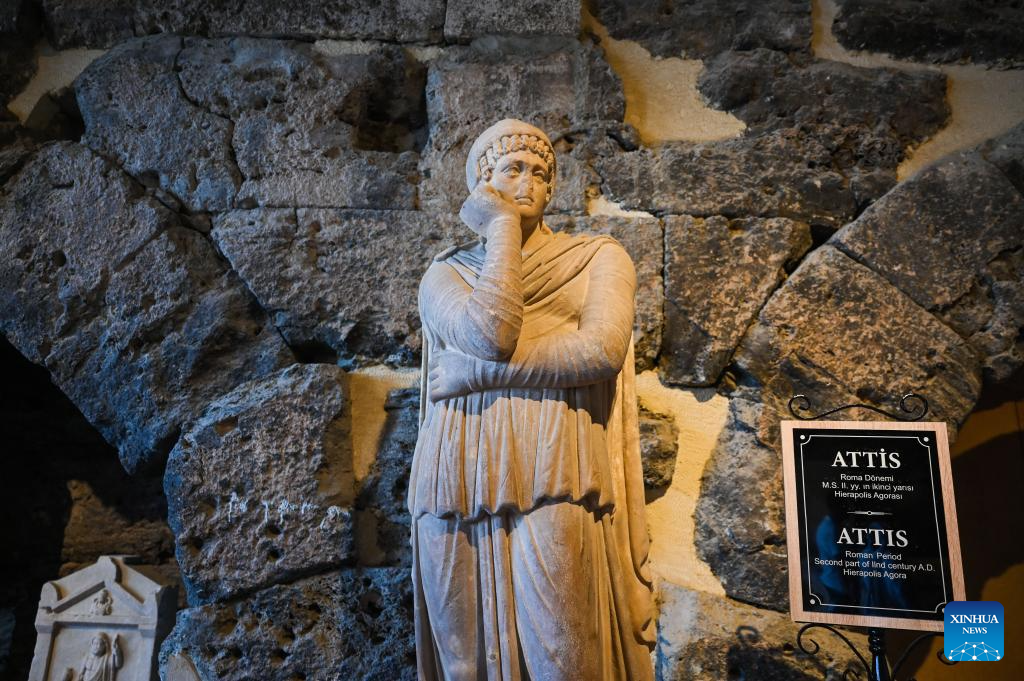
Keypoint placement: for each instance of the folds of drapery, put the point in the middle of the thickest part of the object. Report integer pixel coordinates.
(486, 460)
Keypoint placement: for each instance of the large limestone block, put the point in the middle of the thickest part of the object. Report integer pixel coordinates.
(563, 87)
(87, 23)
(136, 318)
(352, 624)
(136, 112)
(698, 30)
(342, 282)
(952, 238)
(709, 638)
(108, 618)
(740, 515)
(643, 239)
(934, 30)
(468, 19)
(260, 488)
(768, 90)
(718, 274)
(799, 173)
(839, 333)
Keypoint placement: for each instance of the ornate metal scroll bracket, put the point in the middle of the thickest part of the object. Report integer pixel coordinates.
(878, 668)
(800, 408)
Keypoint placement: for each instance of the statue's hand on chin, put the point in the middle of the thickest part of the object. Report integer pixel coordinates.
(486, 210)
(450, 375)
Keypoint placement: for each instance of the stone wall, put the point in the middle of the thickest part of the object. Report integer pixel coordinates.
(212, 237)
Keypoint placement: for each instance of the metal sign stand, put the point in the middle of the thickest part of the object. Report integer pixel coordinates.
(878, 670)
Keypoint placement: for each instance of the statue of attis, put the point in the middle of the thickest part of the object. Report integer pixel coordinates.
(529, 539)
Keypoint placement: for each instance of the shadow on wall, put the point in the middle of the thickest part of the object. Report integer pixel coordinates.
(65, 501)
(988, 476)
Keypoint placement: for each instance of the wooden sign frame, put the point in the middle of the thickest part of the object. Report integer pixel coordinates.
(795, 526)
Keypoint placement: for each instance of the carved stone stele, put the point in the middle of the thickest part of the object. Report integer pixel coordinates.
(102, 623)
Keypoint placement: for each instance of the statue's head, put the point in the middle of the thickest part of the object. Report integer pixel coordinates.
(517, 159)
(98, 646)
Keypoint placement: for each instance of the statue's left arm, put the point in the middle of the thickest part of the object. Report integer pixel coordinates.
(593, 352)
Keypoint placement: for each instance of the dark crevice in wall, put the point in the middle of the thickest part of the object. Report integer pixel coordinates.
(67, 501)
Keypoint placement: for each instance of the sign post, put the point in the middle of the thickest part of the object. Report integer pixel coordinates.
(871, 526)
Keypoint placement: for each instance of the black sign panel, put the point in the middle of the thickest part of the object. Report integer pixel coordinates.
(867, 507)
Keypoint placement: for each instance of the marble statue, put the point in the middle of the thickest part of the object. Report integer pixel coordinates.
(529, 539)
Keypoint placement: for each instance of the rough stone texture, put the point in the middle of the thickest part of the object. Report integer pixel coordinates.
(805, 173)
(87, 23)
(769, 90)
(934, 30)
(384, 522)
(134, 611)
(344, 282)
(718, 275)
(698, 30)
(468, 19)
(16, 145)
(563, 87)
(311, 127)
(136, 112)
(839, 333)
(247, 122)
(260, 488)
(658, 449)
(1006, 152)
(18, 32)
(952, 239)
(740, 515)
(353, 624)
(643, 240)
(305, 158)
(8, 619)
(135, 317)
(708, 638)
(824, 140)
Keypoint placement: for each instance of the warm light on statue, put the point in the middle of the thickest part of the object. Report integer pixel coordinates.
(529, 539)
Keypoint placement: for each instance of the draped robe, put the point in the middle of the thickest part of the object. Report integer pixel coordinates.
(521, 494)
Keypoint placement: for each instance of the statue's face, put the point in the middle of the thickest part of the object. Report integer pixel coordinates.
(524, 179)
(99, 646)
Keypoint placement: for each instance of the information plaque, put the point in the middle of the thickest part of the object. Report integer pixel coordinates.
(871, 523)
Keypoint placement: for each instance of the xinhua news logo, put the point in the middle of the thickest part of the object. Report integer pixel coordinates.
(973, 631)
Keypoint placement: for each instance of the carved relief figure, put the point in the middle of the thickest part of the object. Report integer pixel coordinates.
(529, 539)
(102, 660)
(103, 604)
